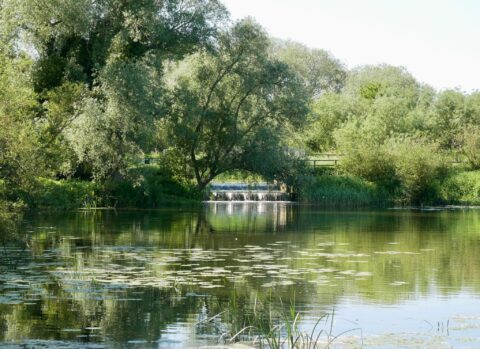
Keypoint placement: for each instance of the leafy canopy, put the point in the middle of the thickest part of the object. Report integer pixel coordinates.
(230, 108)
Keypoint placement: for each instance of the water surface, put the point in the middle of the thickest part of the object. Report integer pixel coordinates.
(151, 279)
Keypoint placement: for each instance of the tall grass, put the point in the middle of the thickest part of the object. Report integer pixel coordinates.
(273, 325)
(341, 191)
(281, 330)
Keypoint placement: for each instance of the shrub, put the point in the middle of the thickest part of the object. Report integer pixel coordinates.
(418, 166)
(65, 194)
(145, 187)
(406, 167)
(461, 188)
(469, 139)
(366, 156)
(150, 187)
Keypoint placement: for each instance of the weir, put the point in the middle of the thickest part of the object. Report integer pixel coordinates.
(247, 192)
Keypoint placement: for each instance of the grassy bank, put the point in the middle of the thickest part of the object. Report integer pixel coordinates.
(151, 187)
(145, 187)
(459, 187)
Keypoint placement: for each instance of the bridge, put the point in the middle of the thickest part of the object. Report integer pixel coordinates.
(320, 160)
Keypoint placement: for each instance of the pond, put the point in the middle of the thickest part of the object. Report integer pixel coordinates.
(190, 277)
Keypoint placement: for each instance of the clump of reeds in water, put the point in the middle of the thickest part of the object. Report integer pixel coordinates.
(269, 327)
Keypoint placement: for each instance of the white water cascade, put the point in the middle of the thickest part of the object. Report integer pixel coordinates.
(246, 192)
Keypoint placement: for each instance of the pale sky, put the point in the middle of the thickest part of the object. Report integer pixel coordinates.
(438, 41)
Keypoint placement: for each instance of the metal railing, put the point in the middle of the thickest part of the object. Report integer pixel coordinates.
(314, 161)
(322, 160)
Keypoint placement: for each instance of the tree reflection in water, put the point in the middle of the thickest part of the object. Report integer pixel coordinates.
(154, 277)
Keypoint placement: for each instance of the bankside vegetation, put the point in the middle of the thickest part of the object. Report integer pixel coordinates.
(88, 89)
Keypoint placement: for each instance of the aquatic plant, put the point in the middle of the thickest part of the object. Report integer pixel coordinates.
(270, 324)
(282, 331)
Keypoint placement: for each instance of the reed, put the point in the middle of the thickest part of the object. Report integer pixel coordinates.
(341, 191)
(273, 325)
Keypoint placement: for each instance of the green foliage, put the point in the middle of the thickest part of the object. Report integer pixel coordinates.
(319, 70)
(366, 156)
(75, 39)
(469, 144)
(155, 187)
(374, 81)
(240, 176)
(144, 187)
(21, 158)
(10, 218)
(449, 111)
(231, 108)
(98, 70)
(395, 132)
(462, 188)
(87, 88)
(418, 165)
(341, 191)
(406, 167)
(371, 90)
(377, 101)
(328, 113)
(65, 194)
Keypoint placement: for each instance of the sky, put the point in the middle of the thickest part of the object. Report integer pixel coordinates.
(438, 41)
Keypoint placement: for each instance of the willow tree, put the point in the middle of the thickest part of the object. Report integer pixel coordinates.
(97, 68)
(231, 106)
(21, 160)
(320, 70)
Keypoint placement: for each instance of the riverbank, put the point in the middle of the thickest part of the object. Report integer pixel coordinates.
(144, 187)
(153, 187)
(459, 187)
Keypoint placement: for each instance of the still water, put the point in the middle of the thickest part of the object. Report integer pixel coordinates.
(190, 277)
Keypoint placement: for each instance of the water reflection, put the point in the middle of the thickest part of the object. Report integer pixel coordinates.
(151, 278)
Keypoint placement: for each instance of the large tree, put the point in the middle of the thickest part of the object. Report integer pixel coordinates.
(21, 159)
(231, 107)
(97, 70)
(320, 71)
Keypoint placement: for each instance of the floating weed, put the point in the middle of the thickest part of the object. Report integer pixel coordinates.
(280, 264)
(398, 283)
(396, 252)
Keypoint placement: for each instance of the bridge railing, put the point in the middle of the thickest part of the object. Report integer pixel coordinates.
(322, 160)
(315, 160)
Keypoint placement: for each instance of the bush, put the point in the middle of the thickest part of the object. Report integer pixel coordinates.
(145, 187)
(341, 191)
(418, 167)
(462, 188)
(469, 139)
(365, 155)
(406, 167)
(150, 187)
(65, 194)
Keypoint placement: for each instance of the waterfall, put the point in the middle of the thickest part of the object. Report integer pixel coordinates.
(246, 192)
